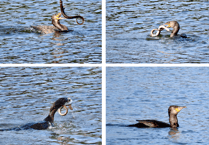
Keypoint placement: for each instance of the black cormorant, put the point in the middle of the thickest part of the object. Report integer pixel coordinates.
(48, 121)
(172, 112)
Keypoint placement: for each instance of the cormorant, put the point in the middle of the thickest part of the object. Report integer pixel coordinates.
(51, 29)
(172, 112)
(48, 121)
(176, 27)
(56, 22)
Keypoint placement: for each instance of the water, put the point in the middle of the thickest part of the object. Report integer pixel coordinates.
(19, 45)
(129, 23)
(26, 94)
(146, 93)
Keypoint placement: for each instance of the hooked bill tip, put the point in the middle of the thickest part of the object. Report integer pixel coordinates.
(71, 108)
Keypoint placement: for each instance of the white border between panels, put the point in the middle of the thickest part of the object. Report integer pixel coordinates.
(50, 65)
(103, 65)
(103, 72)
(157, 65)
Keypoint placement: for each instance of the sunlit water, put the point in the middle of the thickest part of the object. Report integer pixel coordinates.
(20, 45)
(146, 93)
(129, 23)
(26, 94)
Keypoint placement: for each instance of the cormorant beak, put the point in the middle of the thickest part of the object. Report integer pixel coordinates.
(168, 24)
(58, 17)
(178, 109)
(70, 101)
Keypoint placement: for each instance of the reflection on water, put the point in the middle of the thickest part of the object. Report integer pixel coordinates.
(21, 44)
(28, 93)
(174, 133)
(146, 93)
(129, 23)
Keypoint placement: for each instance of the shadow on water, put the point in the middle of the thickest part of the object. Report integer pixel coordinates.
(117, 125)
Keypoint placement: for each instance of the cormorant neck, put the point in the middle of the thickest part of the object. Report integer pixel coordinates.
(50, 117)
(175, 30)
(59, 26)
(173, 120)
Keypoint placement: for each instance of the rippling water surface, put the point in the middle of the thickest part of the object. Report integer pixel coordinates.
(20, 45)
(129, 23)
(26, 94)
(146, 93)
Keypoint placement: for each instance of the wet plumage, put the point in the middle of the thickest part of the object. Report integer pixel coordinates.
(172, 112)
(51, 29)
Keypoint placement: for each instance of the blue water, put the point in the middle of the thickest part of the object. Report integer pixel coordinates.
(146, 93)
(20, 45)
(129, 23)
(26, 95)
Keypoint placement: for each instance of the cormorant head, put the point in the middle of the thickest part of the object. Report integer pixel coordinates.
(175, 25)
(61, 102)
(57, 17)
(172, 24)
(174, 110)
(168, 24)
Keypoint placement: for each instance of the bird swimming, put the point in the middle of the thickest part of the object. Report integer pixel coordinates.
(48, 121)
(172, 113)
(171, 24)
(58, 27)
(51, 29)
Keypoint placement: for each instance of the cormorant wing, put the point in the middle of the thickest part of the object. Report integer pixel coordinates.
(152, 123)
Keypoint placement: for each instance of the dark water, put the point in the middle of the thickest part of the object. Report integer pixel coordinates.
(129, 23)
(19, 45)
(146, 93)
(26, 94)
